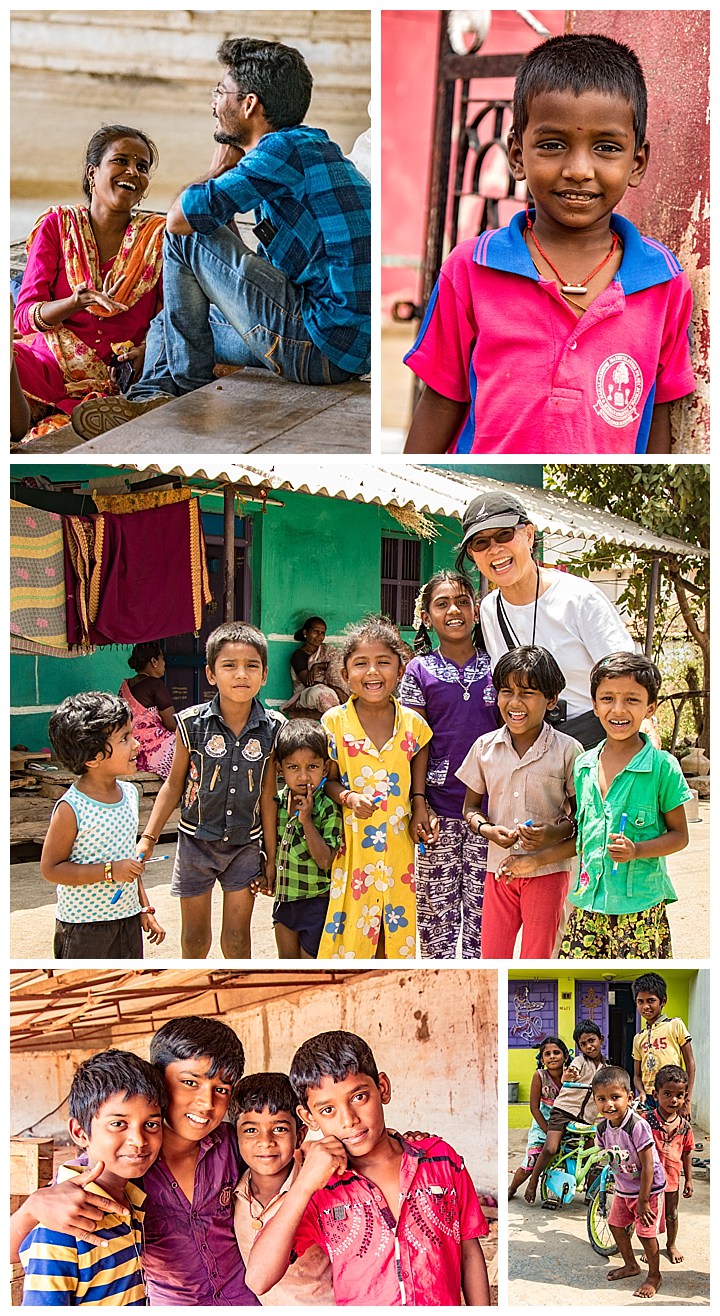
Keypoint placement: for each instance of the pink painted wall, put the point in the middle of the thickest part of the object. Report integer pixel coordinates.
(673, 202)
(409, 61)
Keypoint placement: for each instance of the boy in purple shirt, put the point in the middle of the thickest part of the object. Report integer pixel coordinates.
(191, 1257)
(639, 1176)
(567, 331)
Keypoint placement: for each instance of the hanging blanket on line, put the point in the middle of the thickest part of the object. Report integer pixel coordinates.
(135, 577)
(37, 583)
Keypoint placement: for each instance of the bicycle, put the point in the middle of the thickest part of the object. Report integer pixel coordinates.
(576, 1167)
(599, 1201)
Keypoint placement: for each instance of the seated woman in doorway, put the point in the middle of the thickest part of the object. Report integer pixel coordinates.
(152, 709)
(92, 283)
(315, 673)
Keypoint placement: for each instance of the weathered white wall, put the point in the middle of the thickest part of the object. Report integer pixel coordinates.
(73, 70)
(699, 1027)
(434, 1031)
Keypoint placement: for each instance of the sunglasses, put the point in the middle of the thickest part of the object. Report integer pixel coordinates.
(480, 543)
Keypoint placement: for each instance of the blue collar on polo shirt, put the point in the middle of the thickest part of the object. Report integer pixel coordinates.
(645, 262)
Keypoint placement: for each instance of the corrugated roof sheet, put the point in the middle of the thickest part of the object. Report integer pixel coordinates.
(432, 490)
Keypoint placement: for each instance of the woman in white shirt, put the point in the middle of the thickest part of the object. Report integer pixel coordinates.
(534, 604)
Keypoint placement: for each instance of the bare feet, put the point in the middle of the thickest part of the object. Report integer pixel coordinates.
(673, 1254)
(649, 1288)
(624, 1272)
(530, 1192)
(512, 1191)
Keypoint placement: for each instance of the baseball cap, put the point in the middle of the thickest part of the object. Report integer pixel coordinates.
(492, 509)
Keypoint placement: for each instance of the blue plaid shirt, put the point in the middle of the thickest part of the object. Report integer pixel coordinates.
(320, 205)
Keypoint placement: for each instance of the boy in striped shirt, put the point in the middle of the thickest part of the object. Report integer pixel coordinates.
(117, 1102)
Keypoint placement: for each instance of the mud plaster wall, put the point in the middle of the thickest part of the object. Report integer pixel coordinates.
(433, 1031)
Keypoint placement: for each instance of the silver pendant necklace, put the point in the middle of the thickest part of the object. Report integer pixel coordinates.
(465, 685)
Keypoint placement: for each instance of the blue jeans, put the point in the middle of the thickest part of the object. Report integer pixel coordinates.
(225, 304)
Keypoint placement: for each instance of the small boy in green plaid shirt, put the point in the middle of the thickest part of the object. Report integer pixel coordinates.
(309, 836)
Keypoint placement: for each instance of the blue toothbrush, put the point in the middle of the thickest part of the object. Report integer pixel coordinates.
(623, 824)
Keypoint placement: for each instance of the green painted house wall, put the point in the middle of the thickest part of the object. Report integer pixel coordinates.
(521, 1060)
(310, 555)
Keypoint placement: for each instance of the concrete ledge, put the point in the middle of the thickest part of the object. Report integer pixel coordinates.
(250, 411)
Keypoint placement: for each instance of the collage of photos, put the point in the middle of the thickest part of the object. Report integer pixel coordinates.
(360, 672)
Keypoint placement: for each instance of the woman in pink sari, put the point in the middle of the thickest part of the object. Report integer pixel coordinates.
(152, 709)
(92, 283)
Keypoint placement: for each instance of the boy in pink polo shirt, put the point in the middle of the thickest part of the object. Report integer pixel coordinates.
(567, 331)
(400, 1221)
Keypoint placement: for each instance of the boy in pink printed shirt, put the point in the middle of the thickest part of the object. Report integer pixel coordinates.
(400, 1221)
(567, 331)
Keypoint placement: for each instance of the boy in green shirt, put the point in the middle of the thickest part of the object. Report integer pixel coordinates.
(309, 837)
(630, 815)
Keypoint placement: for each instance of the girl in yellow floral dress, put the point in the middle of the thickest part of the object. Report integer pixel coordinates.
(378, 752)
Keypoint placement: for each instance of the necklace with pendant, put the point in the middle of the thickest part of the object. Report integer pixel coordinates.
(578, 289)
(464, 685)
(256, 1221)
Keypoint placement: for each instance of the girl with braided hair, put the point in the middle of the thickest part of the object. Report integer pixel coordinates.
(451, 687)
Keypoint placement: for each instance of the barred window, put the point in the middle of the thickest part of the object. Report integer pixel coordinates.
(400, 578)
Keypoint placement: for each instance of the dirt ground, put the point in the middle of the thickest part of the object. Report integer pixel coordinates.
(32, 921)
(32, 918)
(551, 1262)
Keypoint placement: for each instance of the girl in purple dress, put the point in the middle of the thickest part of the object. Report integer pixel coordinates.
(451, 687)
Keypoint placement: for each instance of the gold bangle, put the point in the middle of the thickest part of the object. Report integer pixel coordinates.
(148, 836)
(40, 324)
(108, 871)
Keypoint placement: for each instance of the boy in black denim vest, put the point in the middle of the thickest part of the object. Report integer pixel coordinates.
(223, 772)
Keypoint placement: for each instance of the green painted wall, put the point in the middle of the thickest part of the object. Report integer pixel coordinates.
(521, 1061)
(311, 555)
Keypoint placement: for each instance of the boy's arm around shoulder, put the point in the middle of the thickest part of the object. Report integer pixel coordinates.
(270, 1255)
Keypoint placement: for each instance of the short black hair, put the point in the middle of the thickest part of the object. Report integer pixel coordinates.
(300, 733)
(607, 1074)
(142, 653)
(670, 1074)
(192, 1036)
(374, 629)
(586, 1026)
(110, 1072)
(650, 982)
(234, 632)
(579, 62)
(81, 727)
(330, 1055)
(539, 668)
(102, 140)
(636, 665)
(276, 74)
(258, 1092)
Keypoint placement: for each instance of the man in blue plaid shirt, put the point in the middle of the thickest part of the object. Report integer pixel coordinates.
(300, 305)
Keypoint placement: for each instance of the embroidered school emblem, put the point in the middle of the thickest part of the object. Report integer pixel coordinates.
(216, 747)
(618, 385)
(252, 751)
(225, 1196)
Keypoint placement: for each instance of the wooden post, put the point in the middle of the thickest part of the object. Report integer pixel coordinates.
(229, 552)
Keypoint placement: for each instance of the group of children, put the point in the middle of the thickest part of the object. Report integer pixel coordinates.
(649, 1136)
(193, 1186)
(567, 331)
(442, 777)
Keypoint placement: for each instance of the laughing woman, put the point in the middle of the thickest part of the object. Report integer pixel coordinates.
(92, 283)
(535, 605)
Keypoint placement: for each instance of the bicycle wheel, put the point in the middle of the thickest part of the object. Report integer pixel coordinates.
(598, 1229)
